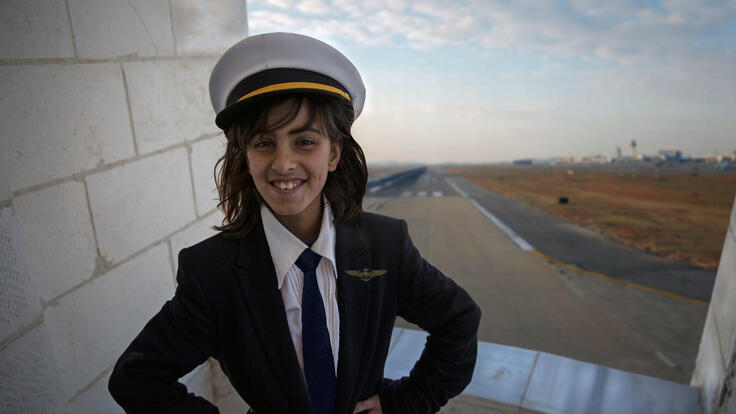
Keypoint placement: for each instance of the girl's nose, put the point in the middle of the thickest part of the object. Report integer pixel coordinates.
(283, 161)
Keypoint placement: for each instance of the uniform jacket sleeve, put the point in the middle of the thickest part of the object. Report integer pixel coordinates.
(435, 303)
(176, 340)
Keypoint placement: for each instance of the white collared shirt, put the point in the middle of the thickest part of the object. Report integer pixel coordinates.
(285, 250)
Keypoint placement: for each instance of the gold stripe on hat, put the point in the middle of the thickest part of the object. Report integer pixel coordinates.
(294, 85)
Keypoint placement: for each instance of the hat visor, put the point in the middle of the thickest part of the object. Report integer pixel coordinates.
(231, 113)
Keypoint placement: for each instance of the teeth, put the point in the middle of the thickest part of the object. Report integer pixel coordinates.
(286, 185)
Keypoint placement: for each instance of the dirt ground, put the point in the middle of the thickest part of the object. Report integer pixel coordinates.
(678, 212)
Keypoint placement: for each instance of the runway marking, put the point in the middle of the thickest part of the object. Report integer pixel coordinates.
(664, 358)
(437, 194)
(406, 194)
(650, 289)
(421, 193)
(523, 244)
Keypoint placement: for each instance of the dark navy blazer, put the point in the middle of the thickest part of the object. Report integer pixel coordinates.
(227, 305)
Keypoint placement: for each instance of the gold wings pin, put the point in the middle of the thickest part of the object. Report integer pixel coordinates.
(366, 274)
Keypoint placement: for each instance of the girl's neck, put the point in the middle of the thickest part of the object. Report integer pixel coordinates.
(305, 227)
(306, 232)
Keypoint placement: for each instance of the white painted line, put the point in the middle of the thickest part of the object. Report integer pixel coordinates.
(664, 358)
(523, 244)
(406, 194)
(421, 193)
(437, 194)
(374, 189)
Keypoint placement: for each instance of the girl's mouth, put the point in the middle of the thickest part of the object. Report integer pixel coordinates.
(287, 186)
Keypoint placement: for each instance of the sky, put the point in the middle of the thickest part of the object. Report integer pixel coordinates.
(498, 80)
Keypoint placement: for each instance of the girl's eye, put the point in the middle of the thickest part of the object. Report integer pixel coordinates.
(262, 143)
(305, 141)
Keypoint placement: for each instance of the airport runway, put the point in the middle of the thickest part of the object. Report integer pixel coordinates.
(590, 251)
(530, 303)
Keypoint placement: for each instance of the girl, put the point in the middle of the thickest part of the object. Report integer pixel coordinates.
(296, 297)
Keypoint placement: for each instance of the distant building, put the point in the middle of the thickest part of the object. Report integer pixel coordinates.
(596, 159)
(670, 155)
(626, 159)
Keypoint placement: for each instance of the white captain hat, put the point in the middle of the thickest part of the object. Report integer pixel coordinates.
(280, 63)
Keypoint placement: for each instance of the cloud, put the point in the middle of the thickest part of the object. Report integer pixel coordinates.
(313, 7)
(620, 30)
(671, 48)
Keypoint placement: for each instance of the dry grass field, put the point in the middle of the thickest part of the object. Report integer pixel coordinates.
(672, 212)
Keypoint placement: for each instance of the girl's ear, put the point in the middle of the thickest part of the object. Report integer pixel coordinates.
(335, 150)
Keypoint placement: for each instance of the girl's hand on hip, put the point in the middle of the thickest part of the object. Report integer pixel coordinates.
(371, 406)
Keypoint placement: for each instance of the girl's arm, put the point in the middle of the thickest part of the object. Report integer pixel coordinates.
(176, 340)
(442, 308)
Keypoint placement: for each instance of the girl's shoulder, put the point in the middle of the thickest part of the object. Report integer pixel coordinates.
(214, 249)
(380, 226)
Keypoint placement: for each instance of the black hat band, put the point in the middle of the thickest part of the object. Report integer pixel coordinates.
(277, 80)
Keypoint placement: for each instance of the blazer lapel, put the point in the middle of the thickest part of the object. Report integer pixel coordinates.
(257, 279)
(353, 299)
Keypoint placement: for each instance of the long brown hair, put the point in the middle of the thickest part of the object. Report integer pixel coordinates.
(344, 188)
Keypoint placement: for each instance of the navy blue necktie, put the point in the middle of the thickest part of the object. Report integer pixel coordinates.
(319, 366)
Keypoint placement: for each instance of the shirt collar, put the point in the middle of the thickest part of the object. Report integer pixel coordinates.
(286, 248)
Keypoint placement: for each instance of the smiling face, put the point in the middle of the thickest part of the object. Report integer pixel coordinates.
(289, 165)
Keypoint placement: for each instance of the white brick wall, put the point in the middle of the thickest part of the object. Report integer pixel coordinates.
(718, 342)
(194, 233)
(34, 29)
(204, 156)
(107, 140)
(141, 202)
(169, 101)
(19, 303)
(29, 377)
(206, 27)
(57, 237)
(91, 326)
(198, 381)
(96, 399)
(60, 119)
(110, 28)
(709, 366)
(724, 293)
(4, 189)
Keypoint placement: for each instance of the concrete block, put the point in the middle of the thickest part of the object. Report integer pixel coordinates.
(19, 304)
(204, 156)
(709, 365)
(564, 385)
(57, 237)
(188, 377)
(232, 403)
(60, 119)
(110, 28)
(91, 326)
(206, 27)
(4, 188)
(227, 400)
(722, 302)
(195, 233)
(170, 101)
(732, 225)
(140, 202)
(29, 377)
(96, 399)
(199, 381)
(35, 29)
